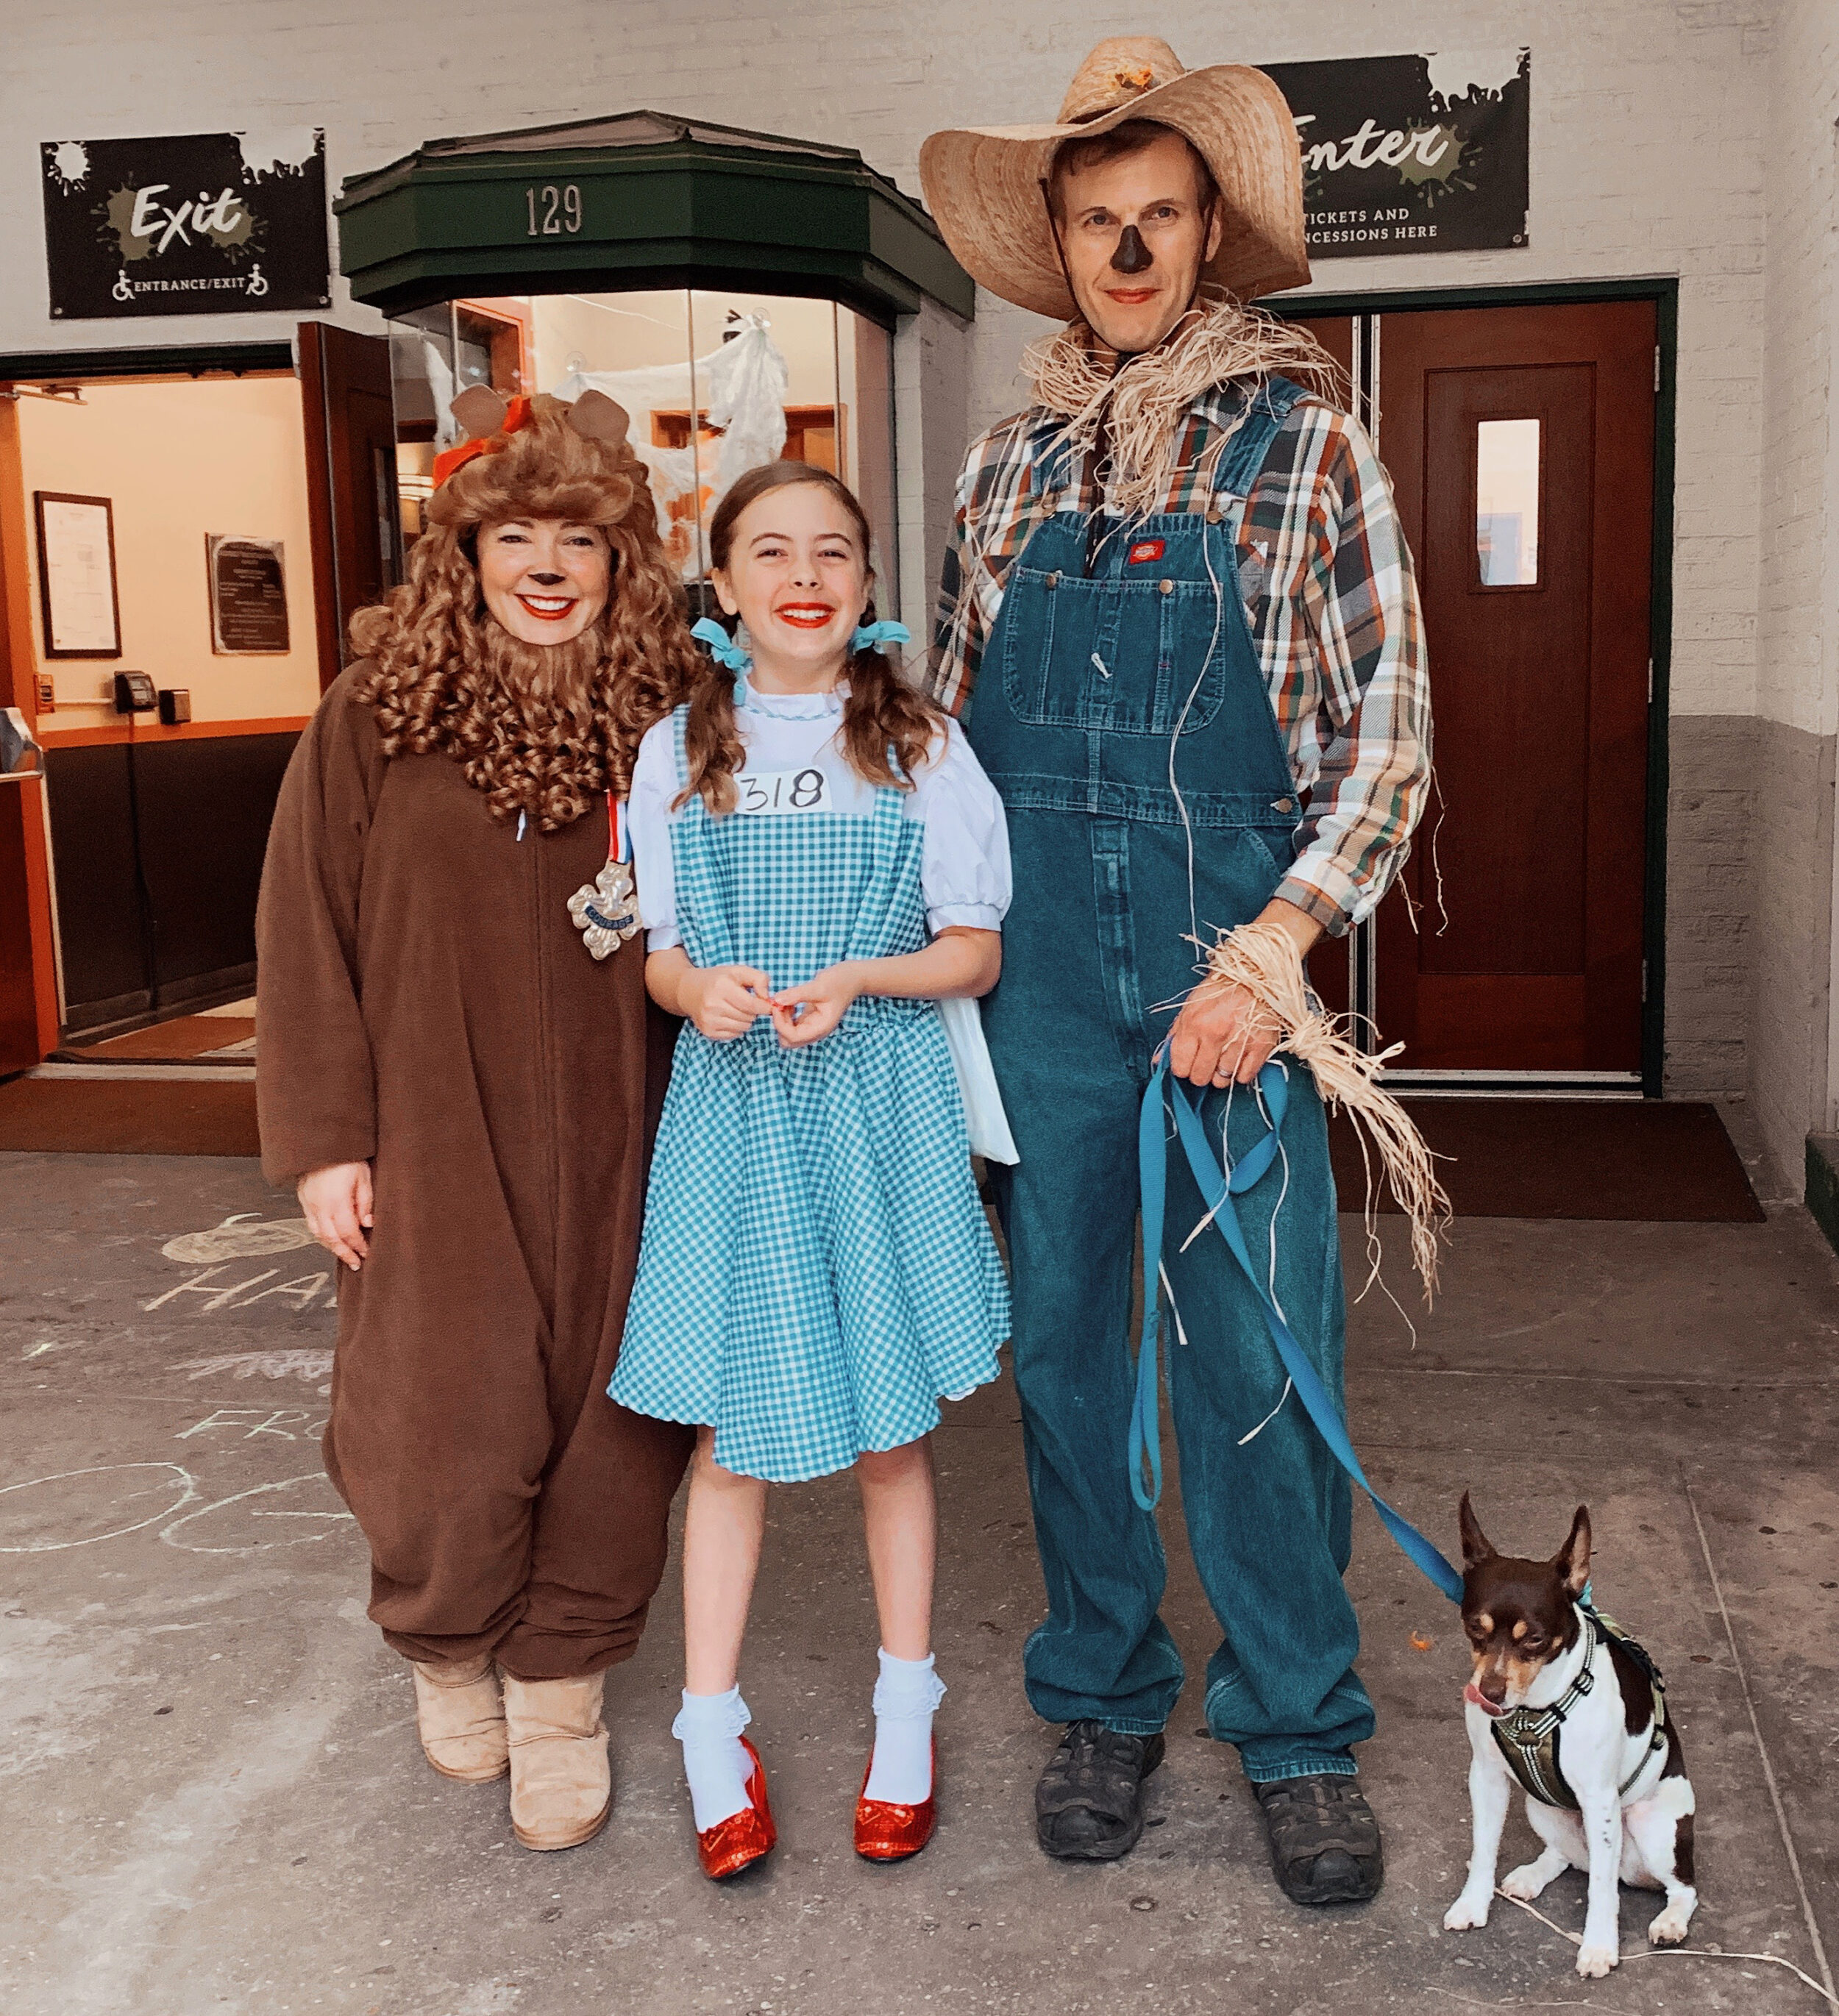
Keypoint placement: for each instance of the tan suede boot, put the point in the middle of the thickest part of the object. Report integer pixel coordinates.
(461, 1719)
(561, 1782)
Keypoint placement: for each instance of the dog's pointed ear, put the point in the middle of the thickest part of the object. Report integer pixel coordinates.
(596, 418)
(1476, 1547)
(1572, 1562)
(480, 411)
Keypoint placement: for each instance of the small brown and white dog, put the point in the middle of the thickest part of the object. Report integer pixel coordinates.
(1562, 1700)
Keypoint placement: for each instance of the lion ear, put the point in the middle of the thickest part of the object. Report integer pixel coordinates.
(596, 418)
(480, 411)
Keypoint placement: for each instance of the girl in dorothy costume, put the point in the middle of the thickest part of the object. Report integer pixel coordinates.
(821, 862)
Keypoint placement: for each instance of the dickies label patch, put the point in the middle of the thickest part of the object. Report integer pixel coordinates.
(1147, 549)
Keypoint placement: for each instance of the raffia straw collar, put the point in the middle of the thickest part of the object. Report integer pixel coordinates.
(1144, 405)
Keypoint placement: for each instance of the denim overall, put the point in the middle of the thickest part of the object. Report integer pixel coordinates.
(1105, 651)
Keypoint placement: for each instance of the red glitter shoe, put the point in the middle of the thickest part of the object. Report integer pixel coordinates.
(741, 1840)
(886, 1831)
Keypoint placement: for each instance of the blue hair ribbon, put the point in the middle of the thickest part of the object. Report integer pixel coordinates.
(725, 650)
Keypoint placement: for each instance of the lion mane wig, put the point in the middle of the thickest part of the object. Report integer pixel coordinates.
(546, 729)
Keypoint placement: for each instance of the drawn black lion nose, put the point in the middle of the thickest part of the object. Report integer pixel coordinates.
(1132, 255)
(547, 579)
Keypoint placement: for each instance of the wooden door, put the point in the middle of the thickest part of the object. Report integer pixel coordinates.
(1527, 878)
(350, 437)
(28, 987)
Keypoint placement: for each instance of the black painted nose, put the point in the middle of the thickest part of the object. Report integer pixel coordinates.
(547, 579)
(1132, 255)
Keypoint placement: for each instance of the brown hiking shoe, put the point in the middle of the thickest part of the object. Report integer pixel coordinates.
(1325, 1842)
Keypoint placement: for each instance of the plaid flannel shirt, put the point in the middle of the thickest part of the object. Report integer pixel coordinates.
(1332, 605)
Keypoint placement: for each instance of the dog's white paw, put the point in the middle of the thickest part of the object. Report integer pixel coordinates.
(1594, 1962)
(1670, 1927)
(1524, 1883)
(1466, 1914)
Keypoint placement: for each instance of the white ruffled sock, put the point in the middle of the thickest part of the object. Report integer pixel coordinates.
(709, 1727)
(906, 1697)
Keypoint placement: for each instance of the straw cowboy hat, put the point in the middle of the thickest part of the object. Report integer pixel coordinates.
(983, 184)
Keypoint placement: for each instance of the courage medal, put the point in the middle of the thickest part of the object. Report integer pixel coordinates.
(605, 910)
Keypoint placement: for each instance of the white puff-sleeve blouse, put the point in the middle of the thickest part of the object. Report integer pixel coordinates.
(964, 864)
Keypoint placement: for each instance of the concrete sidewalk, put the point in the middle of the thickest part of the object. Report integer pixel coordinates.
(212, 1799)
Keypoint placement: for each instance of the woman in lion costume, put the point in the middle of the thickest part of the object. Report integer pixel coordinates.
(458, 1067)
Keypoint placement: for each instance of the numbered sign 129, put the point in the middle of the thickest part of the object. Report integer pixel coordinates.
(552, 208)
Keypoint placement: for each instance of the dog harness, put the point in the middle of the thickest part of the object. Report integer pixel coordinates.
(1529, 1737)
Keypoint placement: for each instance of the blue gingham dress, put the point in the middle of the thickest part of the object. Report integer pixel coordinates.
(816, 1271)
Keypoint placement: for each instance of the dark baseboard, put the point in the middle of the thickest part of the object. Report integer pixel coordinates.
(206, 990)
(113, 1017)
(95, 1021)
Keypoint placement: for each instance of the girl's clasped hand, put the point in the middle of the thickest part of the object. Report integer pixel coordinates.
(725, 1002)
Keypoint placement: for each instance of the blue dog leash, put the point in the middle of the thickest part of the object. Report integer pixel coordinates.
(1217, 1192)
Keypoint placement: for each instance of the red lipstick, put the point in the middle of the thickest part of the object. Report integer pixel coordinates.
(806, 615)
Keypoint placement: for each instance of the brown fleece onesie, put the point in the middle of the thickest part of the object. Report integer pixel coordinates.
(424, 1001)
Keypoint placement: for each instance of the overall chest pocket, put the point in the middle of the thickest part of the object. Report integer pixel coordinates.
(1126, 656)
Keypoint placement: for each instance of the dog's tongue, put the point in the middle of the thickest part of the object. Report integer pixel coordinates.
(1476, 1698)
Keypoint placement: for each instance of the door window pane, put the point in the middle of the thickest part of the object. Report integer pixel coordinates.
(1506, 502)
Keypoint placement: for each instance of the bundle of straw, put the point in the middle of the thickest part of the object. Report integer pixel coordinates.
(1145, 401)
(1263, 960)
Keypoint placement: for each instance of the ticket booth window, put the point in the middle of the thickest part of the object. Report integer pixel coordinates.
(716, 383)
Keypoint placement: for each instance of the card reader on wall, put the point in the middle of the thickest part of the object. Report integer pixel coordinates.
(134, 693)
(175, 705)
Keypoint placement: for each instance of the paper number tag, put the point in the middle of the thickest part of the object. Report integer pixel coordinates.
(768, 791)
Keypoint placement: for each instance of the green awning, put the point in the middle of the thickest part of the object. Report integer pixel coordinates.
(641, 200)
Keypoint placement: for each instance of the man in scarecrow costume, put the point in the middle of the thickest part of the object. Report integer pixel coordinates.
(1178, 584)
(464, 1083)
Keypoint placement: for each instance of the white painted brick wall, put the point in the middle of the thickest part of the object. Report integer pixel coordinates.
(1793, 1070)
(1799, 653)
(1648, 118)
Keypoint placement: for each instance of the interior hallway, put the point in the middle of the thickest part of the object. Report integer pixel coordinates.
(208, 1770)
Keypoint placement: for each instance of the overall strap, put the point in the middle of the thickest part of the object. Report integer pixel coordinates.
(1270, 403)
(1217, 1192)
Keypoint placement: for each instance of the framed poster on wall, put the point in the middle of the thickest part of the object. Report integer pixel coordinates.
(248, 596)
(81, 610)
